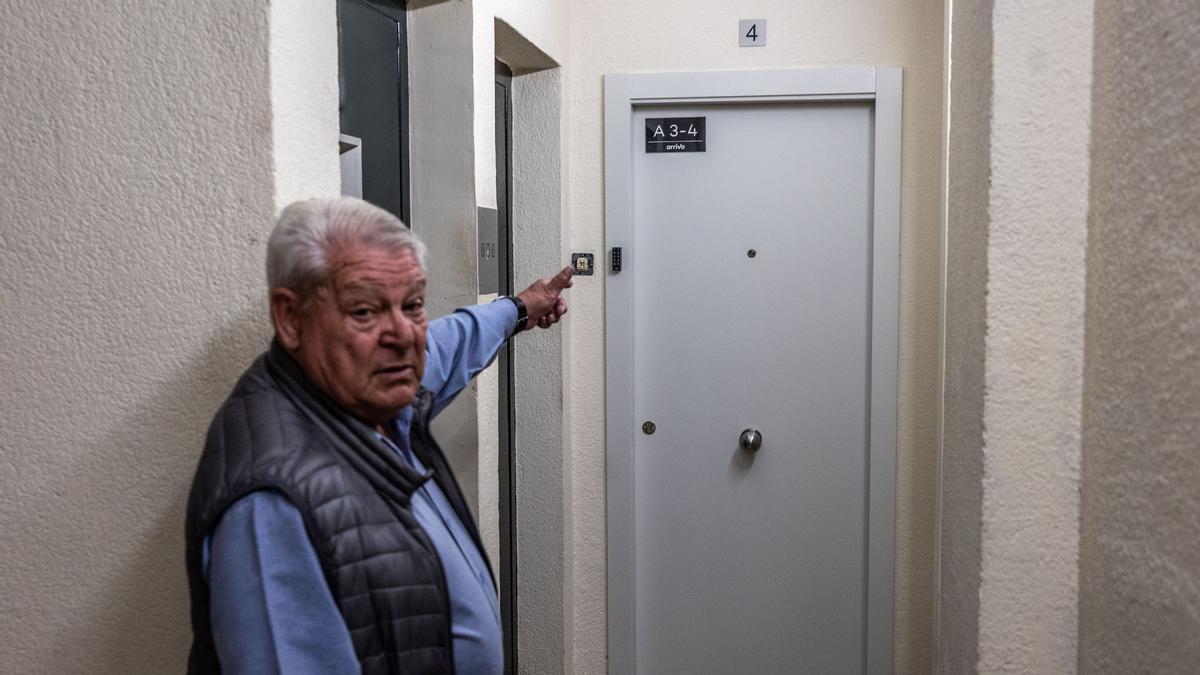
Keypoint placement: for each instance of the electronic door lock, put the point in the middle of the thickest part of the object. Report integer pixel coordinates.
(582, 262)
(615, 259)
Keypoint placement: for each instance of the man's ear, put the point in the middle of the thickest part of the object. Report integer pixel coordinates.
(285, 314)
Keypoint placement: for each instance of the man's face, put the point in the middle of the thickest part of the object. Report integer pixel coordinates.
(361, 336)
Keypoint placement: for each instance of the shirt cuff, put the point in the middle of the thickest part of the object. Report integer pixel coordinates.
(504, 311)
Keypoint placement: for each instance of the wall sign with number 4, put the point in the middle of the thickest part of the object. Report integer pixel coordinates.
(752, 32)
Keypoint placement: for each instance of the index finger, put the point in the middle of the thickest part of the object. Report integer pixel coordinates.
(563, 279)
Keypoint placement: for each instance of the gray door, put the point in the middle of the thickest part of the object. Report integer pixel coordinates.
(373, 84)
(752, 311)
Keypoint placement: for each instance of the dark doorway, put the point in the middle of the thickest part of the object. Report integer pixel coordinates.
(373, 85)
(507, 435)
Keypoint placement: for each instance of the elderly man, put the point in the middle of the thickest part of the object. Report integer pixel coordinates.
(325, 530)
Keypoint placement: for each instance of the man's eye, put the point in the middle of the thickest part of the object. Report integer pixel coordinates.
(361, 312)
(415, 306)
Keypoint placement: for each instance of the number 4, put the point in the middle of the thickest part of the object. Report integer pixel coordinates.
(752, 32)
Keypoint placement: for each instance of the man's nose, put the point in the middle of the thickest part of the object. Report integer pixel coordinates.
(400, 331)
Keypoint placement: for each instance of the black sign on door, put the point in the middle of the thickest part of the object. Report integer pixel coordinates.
(675, 134)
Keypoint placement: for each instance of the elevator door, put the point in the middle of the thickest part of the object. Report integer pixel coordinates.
(752, 311)
(373, 87)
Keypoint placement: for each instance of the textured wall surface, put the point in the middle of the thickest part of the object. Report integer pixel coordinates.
(1139, 548)
(532, 35)
(538, 377)
(1041, 66)
(136, 193)
(304, 100)
(625, 36)
(967, 179)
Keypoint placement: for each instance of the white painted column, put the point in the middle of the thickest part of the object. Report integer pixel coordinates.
(304, 100)
(1033, 374)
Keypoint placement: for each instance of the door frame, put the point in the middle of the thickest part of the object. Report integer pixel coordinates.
(623, 93)
(505, 408)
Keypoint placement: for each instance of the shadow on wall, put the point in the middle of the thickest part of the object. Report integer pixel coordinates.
(137, 620)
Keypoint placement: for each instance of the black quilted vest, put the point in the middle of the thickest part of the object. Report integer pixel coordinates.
(277, 431)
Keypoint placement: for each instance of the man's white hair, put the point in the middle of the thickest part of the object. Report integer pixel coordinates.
(308, 232)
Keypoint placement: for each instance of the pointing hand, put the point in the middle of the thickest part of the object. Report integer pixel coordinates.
(543, 299)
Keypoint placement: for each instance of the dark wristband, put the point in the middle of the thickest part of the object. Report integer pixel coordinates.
(522, 313)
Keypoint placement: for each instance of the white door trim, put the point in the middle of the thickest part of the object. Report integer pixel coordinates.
(624, 93)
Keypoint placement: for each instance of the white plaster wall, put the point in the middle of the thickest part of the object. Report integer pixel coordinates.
(483, 67)
(136, 193)
(304, 99)
(541, 457)
(628, 36)
(1140, 553)
(1041, 71)
(542, 23)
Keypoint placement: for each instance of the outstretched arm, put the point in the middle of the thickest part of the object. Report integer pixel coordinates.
(459, 346)
(544, 300)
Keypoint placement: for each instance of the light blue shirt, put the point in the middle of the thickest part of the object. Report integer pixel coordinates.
(272, 611)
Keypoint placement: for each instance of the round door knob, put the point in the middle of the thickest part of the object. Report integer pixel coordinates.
(751, 440)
